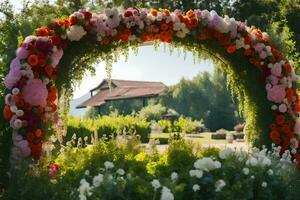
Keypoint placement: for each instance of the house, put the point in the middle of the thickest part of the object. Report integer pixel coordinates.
(122, 90)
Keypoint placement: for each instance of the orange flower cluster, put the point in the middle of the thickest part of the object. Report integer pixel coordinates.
(190, 19)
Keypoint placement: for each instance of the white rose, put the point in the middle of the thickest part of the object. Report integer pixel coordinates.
(75, 33)
(108, 165)
(270, 172)
(155, 184)
(166, 194)
(121, 172)
(174, 176)
(97, 180)
(196, 187)
(264, 184)
(219, 185)
(246, 171)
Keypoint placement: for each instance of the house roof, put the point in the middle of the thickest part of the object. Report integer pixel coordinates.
(123, 89)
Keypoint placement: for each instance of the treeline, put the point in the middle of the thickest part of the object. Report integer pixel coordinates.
(204, 97)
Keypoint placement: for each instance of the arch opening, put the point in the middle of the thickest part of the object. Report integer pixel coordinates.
(58, 55)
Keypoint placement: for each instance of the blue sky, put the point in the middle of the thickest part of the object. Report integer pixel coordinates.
(148, 65)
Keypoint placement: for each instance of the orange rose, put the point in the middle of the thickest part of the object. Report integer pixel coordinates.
(33, 60)
(7, 113)
(38, 133)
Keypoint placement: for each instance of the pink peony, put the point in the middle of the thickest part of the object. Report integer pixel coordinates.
(22, 53)
(12, 77)
(273, 79)
(15, 63)
(35, 92)
(276, 93)
(29, 39)
(277, 69)
(24, 147)
(56, 56)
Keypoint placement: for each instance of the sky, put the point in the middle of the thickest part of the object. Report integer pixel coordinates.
(148, 65)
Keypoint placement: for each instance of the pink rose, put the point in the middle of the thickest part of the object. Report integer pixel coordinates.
(282, 108)
(22, 53)
(259, 47)
(35, 92)
(263, 55)
(56, 56)
(277, 69)
(273, 79)
(12, 77)
(276, 93)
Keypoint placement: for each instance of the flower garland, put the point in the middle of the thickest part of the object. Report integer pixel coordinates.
(33, 72)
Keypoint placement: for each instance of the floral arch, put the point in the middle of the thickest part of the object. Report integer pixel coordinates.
(55, 55)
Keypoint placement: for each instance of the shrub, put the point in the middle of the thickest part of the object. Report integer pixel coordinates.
(108, 127)
(123, 169)
(187, 125)
(165, 125)
(112, 126)
(152, 112)
(81, 128)
(183, 124)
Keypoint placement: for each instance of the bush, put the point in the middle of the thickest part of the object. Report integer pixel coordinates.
(166, 126)
(123, 169)
(111, 126)
(187, 125)
(108, 127)
(81, 128)
(152, 112)
(219, 135)
(183, 124)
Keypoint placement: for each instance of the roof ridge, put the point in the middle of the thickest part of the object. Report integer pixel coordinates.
(134, 81)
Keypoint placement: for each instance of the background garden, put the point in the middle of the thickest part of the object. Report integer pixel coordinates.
(114, 155)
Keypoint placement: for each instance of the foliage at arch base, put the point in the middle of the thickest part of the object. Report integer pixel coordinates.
(32, 100)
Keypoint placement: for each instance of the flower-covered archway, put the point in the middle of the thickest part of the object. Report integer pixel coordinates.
(50, 59)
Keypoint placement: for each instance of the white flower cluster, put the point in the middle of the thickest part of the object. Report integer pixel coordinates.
(219, 185)
(100, 180)
(84, 189)
(75, 33)
(207, 164)
(166, 193)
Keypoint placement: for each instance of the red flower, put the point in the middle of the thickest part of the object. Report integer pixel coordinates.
(280, 119)
(73, 20)
(275, 137)
(128, 13)
(30, 137)
(231, 49)
(55, 40)
(87, 15)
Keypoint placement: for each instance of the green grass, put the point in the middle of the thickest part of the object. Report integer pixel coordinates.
(202, 138)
